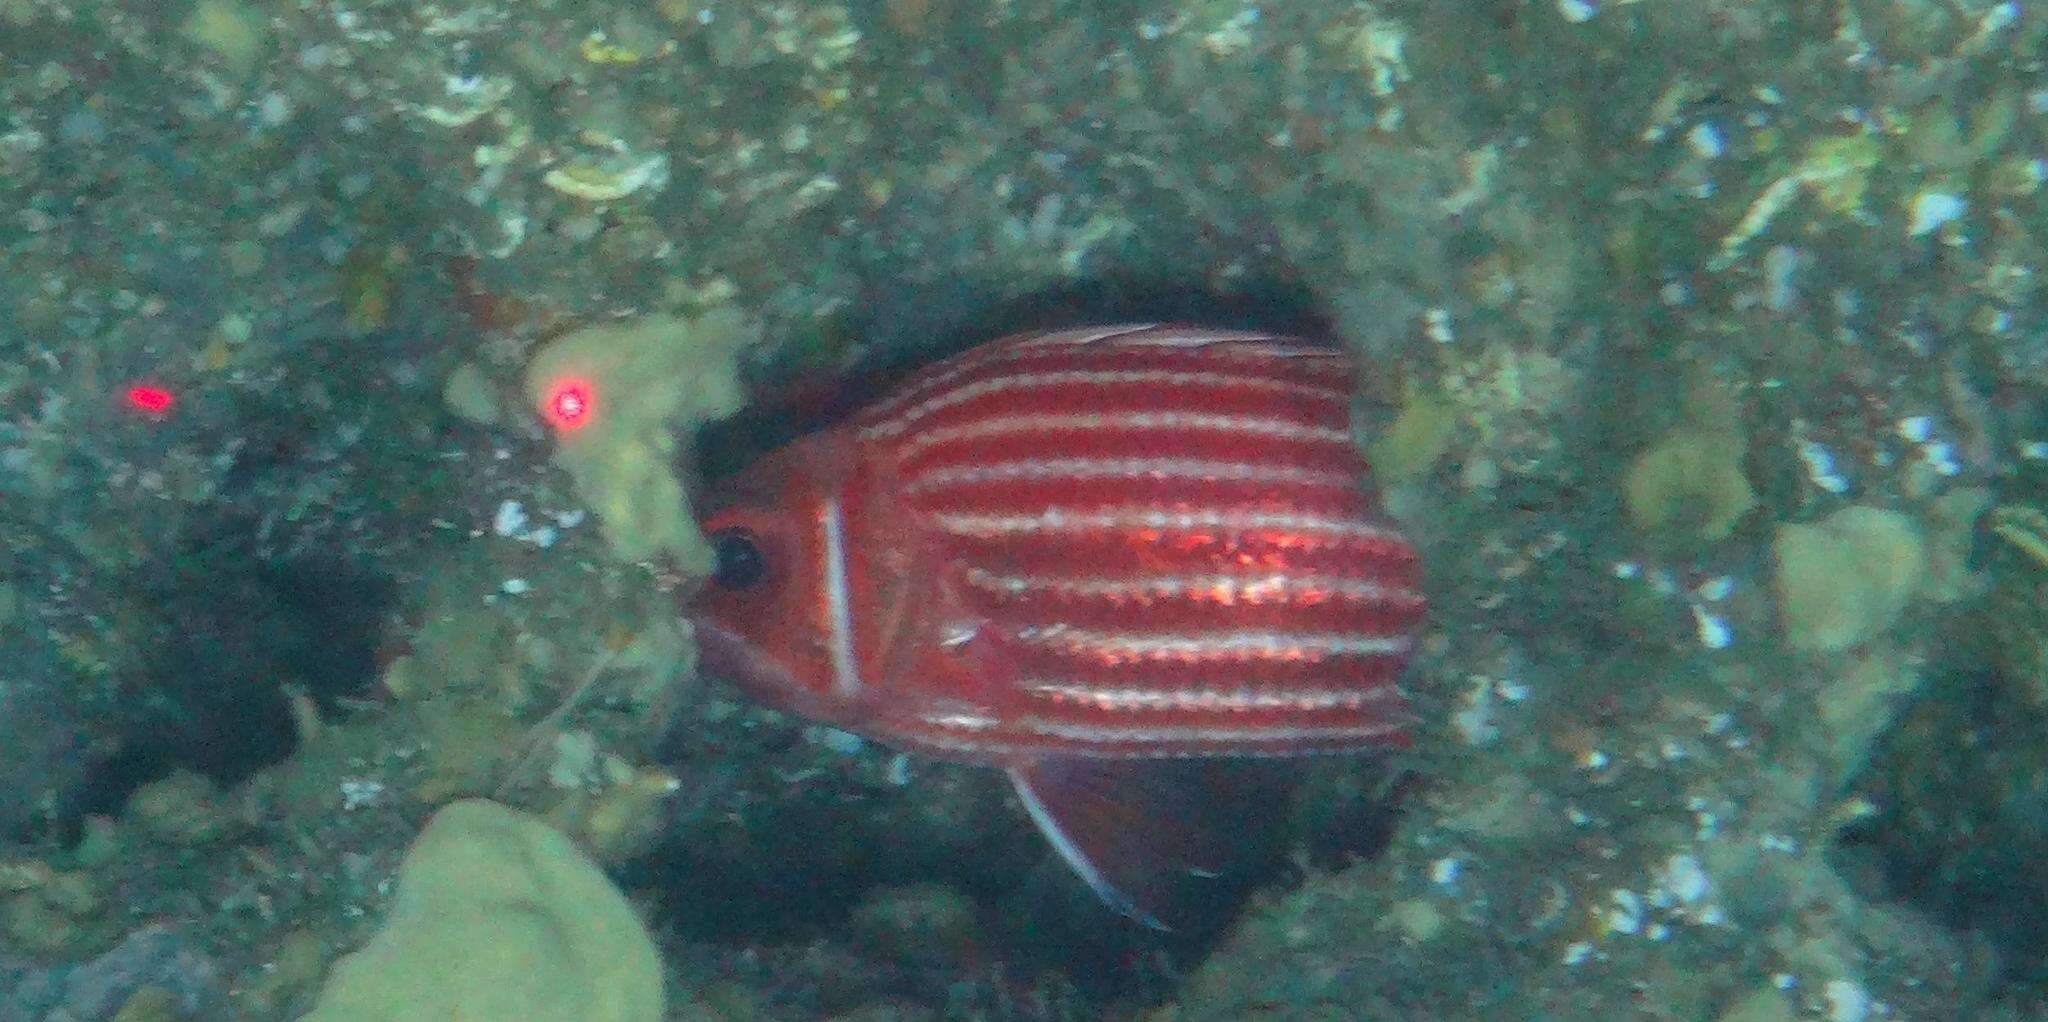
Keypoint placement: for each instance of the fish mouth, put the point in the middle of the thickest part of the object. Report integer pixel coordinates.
(722, 651)
(726, 653)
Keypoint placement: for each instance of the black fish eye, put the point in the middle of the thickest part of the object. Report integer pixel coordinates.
(740, 562)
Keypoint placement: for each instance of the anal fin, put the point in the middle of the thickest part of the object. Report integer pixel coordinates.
(1148, 835)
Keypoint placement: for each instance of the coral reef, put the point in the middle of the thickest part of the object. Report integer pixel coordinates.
(1696, 339)
(45, 768)
(153, 973)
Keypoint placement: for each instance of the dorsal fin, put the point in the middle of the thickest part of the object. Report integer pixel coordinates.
(1146, 834)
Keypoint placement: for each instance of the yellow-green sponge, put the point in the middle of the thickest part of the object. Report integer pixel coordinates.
(498, 918)
(618, 395)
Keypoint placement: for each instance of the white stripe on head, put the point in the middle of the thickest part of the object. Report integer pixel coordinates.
(839, 602)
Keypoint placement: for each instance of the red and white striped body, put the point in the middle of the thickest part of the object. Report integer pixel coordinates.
(1111, 543)
(1134, 541)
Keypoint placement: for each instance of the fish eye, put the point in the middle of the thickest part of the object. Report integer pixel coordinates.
(740, 562)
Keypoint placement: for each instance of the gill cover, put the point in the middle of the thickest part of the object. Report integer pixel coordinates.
(764, 616)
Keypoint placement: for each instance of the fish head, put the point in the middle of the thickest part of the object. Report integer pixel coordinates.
(766, 616)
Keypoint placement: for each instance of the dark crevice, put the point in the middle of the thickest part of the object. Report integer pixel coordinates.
(236, 633)
(901, 333)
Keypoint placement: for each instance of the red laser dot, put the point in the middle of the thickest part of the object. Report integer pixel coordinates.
(568, 404)
(149, 399)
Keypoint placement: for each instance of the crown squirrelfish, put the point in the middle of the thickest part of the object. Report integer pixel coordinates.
(1085, 558)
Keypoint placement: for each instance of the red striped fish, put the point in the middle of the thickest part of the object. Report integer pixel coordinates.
(1083, 557)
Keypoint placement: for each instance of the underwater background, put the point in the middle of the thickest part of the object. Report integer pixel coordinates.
(1704, 355)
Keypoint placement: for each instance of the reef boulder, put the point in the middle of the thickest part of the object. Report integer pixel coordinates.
(1844, 579)
(498, 916)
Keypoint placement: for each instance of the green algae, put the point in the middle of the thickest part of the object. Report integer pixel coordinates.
(1689, 487)
(1416, 440)
(234, 33)
(182, 809)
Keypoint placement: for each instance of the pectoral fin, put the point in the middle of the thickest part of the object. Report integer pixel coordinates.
(1147, 835)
